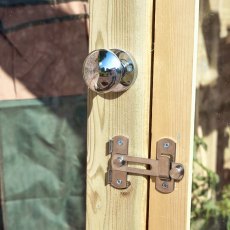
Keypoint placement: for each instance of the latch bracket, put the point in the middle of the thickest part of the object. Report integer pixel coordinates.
(163, 168)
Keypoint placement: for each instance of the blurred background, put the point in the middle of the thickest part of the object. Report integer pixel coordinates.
(43, 114)
(211, 176)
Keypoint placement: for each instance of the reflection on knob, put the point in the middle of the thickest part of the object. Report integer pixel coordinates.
(109, 70)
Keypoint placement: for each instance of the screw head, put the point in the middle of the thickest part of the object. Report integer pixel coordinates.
(166, 145)
(129, 68)
(120, 142)
(119, 181)
(165, 185)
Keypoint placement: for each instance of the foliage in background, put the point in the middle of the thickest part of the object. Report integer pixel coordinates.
(210, 203)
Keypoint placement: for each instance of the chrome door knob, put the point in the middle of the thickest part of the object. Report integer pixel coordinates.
(109, 70)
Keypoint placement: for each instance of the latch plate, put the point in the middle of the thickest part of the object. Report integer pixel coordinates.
(163, 168)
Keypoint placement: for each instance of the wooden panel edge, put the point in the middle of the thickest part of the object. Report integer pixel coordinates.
(126, 25)
(176, 31)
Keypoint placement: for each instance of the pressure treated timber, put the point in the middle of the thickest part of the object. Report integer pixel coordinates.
(175, 48)
(123, 24)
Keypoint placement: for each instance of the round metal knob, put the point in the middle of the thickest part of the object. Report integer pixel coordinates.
(177, 172)
(109, 70)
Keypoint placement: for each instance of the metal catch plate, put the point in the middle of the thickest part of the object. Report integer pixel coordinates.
(118, 145)
(166, 148)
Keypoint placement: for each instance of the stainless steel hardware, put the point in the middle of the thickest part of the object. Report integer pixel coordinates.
(163, 168)
(109, 70)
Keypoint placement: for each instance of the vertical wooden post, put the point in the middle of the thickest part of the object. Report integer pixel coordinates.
(176, 29)
(123, 24)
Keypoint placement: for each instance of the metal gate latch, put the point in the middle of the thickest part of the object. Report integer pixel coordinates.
(163, 168)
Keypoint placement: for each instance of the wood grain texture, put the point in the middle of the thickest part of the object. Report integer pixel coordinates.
(176, 26)
(123, 24)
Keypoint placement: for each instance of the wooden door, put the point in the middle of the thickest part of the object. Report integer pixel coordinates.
(161, 36)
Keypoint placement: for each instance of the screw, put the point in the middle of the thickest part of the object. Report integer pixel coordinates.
(129, 68)
(166, 145)
(120, 142)
(165, 185)
(119, 181)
